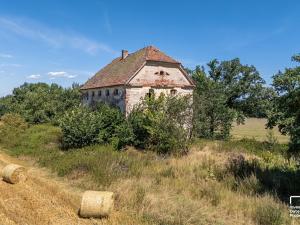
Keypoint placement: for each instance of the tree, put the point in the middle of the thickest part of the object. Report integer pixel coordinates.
(286, 111)
(40, 102)
(222, 95)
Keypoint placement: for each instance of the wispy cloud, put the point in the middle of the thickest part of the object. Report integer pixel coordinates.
(54, 37)
(10, 65)
(34, 76)
(61, 74)
(107, 22)
(4, 55)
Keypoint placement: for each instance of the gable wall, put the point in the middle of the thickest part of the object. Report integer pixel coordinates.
(147, 77)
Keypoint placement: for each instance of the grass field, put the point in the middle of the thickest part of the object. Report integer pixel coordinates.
(207, 186)
(255, 128)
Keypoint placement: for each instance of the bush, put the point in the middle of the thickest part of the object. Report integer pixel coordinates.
(85, 126)
(79, 128)
(162, 124)
(13, 125)
(267, 214)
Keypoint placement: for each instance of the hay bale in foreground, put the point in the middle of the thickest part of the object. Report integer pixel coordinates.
(14, 173)
(96, 204)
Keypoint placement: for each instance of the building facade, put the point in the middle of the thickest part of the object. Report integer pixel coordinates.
(129, 78)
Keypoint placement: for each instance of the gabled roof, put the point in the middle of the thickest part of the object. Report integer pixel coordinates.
(119, 71)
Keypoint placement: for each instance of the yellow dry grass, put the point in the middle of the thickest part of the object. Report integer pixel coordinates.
(255, 128)
(176, 190)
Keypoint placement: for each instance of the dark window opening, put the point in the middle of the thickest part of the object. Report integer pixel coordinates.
(173, 92)
(99, 93)
(87, 96)
(116, 92)
(93, 93)
(107, 92)
(150, 93)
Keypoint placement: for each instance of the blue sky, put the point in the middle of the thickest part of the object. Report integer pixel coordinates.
(66, 41)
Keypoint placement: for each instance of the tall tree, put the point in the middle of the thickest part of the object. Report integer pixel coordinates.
(222, 94)
(286, 111)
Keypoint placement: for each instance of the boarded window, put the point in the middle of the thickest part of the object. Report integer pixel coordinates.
(173, 92)
(107, 92)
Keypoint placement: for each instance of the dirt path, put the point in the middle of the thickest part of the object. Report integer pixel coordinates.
(42, 199)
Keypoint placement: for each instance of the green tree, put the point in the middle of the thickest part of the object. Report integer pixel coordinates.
(286, 111)
(40, 102)
(223, 94)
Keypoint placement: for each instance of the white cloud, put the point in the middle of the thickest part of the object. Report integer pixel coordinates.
(53, 37)
(34, 76)
(10, 65)
(60, 74)
(4, 55)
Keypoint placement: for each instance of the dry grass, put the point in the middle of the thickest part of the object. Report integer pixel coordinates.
(255, 128)
(193, 189)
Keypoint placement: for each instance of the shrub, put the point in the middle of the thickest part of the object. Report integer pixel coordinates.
(239, 167)
(79, 128)
(268, 214)
(13, 125)
(162, 124)
(85, 126)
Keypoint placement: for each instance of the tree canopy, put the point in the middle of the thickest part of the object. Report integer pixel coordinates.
(286, 110)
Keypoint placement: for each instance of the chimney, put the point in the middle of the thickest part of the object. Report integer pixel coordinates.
(124, 54)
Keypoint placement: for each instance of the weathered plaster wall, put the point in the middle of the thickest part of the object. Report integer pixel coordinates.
(135, 94)
(118, 100)
(150, 75)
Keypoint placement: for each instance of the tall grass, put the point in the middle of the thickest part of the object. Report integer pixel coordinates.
(199, 188)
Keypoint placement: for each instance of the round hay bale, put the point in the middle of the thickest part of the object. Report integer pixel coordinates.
(96, 204)
(13, 173)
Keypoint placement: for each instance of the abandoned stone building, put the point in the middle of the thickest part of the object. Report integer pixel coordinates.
(130, 77)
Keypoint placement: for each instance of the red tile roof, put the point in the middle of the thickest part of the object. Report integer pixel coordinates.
(119, 71)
